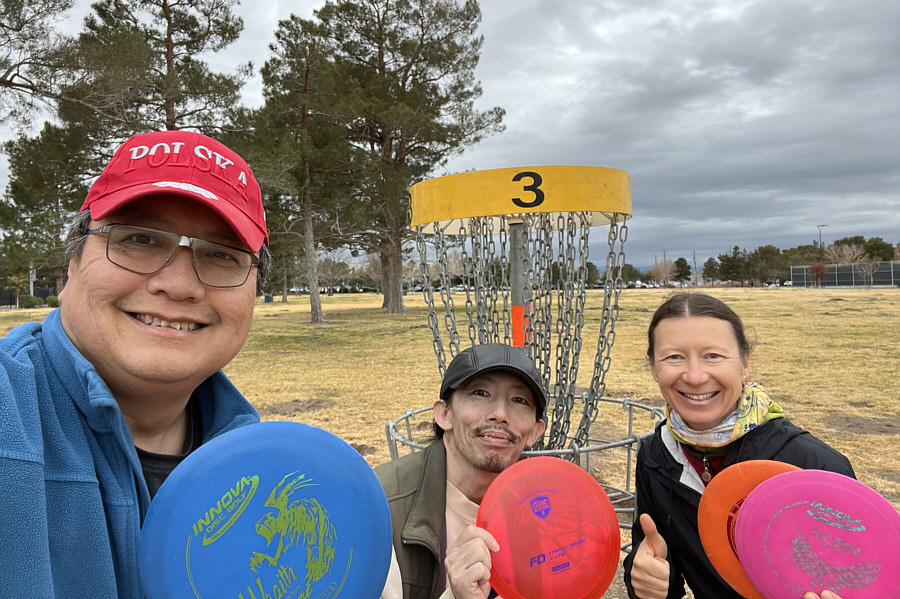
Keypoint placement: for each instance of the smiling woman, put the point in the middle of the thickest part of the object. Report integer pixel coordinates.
(700, 368)
(700, 358)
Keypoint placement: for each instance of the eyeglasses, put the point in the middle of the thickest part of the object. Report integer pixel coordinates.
(146, 251)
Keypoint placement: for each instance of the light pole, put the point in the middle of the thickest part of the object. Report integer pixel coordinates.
(820, 235)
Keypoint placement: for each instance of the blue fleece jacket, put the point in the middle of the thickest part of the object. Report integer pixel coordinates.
(72, 493)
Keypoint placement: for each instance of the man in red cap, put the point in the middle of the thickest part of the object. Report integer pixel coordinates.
(101, 400)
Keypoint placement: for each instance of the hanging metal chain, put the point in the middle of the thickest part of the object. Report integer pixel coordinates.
(542, 258)
(582, 244)
(554, 332)
(527, 265)
(615, 261)
(544, 302)
(504, 284)
(553, 262)
(447, 297)
(478, 271)
(468, 275)
(492, 285)
(494, 289)
(576, 273)
(428, 292)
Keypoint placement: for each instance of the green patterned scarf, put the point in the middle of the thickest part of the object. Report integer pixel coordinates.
(754, 408)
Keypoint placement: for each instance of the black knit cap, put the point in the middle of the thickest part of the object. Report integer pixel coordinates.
(488, 357)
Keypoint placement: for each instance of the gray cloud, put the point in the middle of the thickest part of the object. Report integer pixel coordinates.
(741, 122)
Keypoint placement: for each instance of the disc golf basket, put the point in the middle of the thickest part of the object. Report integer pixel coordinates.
(504, 255)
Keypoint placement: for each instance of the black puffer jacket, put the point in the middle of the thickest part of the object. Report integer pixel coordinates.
(673, 505)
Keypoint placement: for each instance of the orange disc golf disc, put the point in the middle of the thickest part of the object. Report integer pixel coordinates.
(718, 512)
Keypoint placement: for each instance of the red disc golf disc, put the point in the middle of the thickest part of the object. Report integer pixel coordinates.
(812, 530)
(718, 513)
(557, 530)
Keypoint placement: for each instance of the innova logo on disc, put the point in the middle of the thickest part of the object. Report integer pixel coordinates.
(281, 548)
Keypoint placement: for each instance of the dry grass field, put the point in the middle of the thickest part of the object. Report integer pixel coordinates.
(830, 357)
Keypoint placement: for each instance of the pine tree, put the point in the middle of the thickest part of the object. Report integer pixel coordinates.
(407, 70)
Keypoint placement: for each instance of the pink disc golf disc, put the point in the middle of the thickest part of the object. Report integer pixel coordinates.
(812, 530)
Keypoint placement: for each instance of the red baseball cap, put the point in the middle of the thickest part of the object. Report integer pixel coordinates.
(186, 164)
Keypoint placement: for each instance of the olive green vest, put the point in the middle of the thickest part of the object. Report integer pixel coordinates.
(416, 490)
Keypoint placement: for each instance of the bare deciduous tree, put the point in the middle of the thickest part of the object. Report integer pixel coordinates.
(867, 267)
(664, 271)
(844, 253)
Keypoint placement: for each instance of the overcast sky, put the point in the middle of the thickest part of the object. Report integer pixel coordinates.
(740, 122)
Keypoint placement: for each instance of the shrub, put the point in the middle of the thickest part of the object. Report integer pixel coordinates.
(29, 301)
(52, 301)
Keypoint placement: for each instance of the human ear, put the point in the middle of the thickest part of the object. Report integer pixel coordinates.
(536, 432)
(441, 412)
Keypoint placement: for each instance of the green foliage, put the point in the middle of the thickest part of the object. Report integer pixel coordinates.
(52, 301)
(29, 301)
(407, 72)
(111, 82)
(802, 255)
(711, 270)
(878, 249)
(682, 270)
(300, 153)
(766, 264)
(46, 188)
(30, 66)
(734, 266)
(162, 83)
(854, 240)
(630, 273)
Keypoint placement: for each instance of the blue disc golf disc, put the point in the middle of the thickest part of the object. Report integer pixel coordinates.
(275, 510)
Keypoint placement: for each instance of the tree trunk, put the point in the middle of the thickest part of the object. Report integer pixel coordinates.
(312, 264)
(309, 241)
(385, 270)
(393, 278)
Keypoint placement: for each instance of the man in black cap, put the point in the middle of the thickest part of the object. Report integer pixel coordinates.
(491, 408)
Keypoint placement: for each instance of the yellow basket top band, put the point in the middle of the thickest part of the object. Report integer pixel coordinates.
(605, 193)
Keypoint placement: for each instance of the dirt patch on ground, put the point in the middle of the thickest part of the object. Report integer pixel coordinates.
(891, 475)
(863, 425)
(295, 407)
(363, 449)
